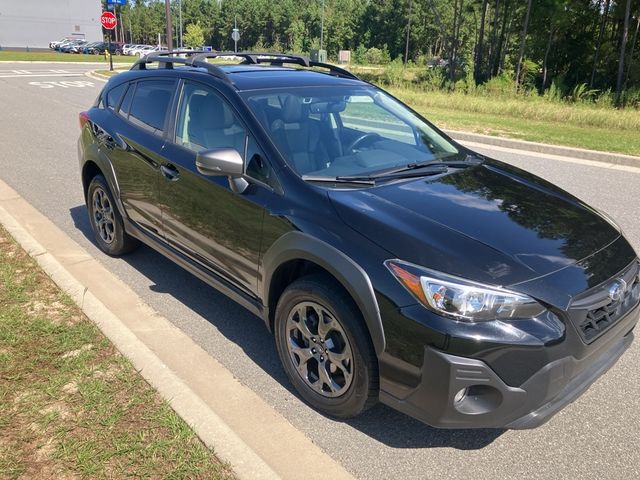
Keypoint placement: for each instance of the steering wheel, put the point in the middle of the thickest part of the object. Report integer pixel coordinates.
(364, 138)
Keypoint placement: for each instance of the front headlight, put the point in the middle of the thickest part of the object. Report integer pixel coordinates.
(462, 299)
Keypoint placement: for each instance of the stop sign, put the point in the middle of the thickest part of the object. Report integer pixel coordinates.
(108, 20)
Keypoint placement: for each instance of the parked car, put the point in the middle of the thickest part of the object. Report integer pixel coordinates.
(63, 44)
(127, 50)
(85, 48)
(74, 47)
(390, 262)
(68, 38)
(145, 50)
(100, 48)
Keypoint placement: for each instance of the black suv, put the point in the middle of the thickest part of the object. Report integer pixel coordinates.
(390, 262)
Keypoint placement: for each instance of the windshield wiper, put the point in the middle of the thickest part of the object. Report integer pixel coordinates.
(355, 180)
(419, 169)
(442, 165)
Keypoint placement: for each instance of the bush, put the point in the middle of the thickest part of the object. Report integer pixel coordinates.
(431, 79)
(554, 92)
(394, 73)
(501, 85)
(376, 56)
(360, 55)
(582, 94)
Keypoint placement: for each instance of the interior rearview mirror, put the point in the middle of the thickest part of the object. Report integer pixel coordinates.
(220, 161)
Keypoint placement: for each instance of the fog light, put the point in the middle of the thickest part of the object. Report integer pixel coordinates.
(477, 399)
(460, 396)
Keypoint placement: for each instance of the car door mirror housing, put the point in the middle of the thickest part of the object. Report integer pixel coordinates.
(220, 162)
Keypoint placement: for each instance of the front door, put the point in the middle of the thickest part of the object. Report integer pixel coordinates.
(202, 216)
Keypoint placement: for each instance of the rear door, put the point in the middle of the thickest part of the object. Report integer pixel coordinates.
(137, 151)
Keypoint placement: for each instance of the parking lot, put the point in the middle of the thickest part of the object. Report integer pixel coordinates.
(596, 437)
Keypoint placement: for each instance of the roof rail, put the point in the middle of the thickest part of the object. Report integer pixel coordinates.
(170, 57)
(272, 58)
(199, 59)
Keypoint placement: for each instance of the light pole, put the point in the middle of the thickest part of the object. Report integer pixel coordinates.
(167, 8)
(322, 25)
(180, 15)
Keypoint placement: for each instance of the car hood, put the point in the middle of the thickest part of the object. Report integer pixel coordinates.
(491, 223)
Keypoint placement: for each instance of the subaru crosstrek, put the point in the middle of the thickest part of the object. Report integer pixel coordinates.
(390, 262)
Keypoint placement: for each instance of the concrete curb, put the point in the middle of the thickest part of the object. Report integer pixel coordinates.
(230, 419)
(96, 76)
(581, 153)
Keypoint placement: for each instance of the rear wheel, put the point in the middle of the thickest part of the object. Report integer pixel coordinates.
(106, 221)
(325, 348)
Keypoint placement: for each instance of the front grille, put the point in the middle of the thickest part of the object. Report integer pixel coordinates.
(596, 312)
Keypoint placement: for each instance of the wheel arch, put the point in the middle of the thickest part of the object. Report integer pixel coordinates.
(296, 254)
(91, 168)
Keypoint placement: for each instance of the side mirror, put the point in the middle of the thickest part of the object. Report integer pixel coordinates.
(220, 161)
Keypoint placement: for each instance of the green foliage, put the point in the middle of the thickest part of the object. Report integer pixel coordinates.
(376, 56)
(431, 79)
(194, 35)
(582, 93)
(394, 73)
(501, 85)
(360, 55)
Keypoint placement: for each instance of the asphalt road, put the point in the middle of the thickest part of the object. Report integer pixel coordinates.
(598, 436)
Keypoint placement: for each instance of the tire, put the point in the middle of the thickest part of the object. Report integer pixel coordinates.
(106, 221)
(342, 348)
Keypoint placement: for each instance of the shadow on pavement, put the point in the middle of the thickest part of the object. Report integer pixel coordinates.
(248, 332)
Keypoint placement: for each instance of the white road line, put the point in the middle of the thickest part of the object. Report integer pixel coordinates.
(43, 75)
(579, 161)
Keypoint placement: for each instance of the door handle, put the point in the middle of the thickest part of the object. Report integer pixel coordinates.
(170, 172)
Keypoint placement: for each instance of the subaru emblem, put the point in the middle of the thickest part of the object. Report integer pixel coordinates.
(617, 289)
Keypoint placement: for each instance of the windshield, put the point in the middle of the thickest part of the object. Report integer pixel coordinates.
(341, 131)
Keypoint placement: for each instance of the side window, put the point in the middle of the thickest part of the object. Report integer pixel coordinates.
(150, 103)
(206, 121)
(258, 167)
(114, 95)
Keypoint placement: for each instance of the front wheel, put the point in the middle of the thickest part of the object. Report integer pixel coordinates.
(106, 221)
(325, 348)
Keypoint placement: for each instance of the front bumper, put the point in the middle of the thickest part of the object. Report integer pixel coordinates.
(489, 402)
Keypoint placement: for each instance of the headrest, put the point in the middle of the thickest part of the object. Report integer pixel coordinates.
(211, 111)
(292, 109)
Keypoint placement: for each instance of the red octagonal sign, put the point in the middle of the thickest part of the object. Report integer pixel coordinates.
(108, 20)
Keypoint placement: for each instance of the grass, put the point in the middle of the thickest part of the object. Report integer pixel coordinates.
(508, 119)
(11, 56)
(72, 406)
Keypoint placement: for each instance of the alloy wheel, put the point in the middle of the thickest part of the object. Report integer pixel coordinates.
(319, 349)
(103, 218)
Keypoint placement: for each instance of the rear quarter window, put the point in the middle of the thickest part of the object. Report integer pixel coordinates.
(114, 95)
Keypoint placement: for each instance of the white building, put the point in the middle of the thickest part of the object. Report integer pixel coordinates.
(35, 23)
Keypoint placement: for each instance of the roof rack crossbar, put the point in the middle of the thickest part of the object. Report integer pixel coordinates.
(200, 59)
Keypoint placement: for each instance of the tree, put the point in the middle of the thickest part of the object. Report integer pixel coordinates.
(194, 35)
(623, 47)
(523, 39)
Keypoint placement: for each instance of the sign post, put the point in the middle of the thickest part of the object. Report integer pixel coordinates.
(235, 34)
(109, 22)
